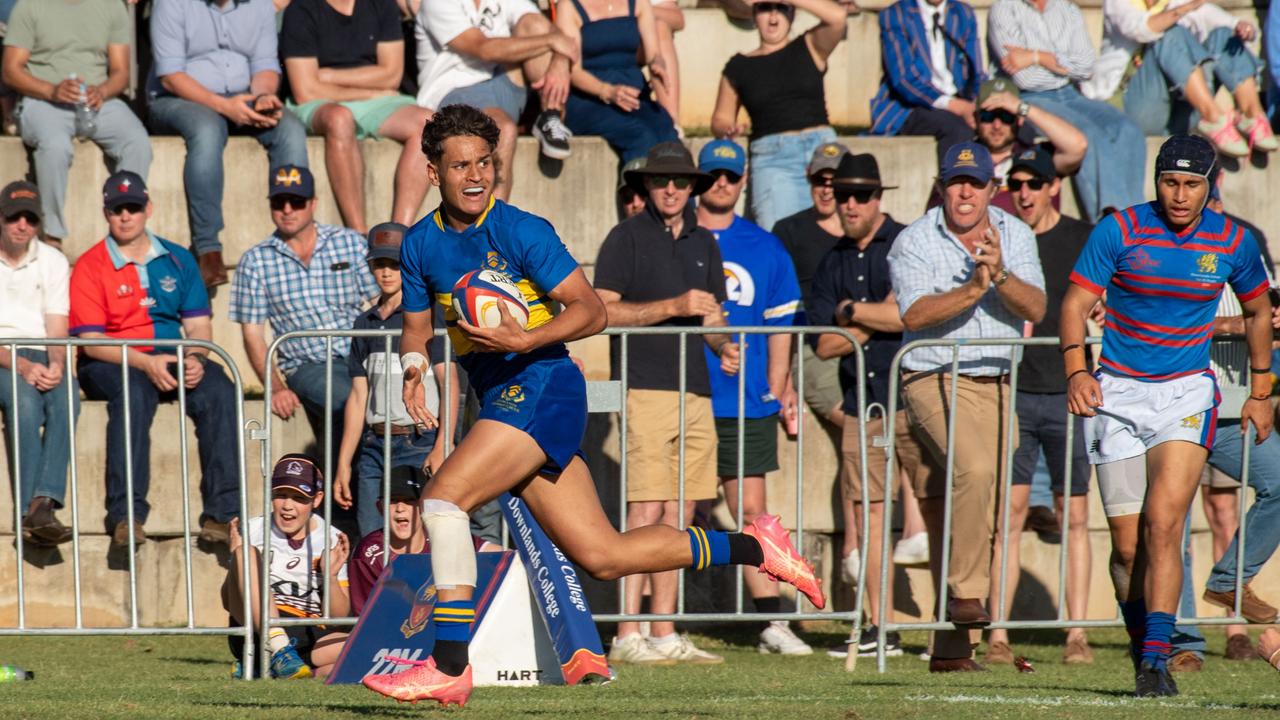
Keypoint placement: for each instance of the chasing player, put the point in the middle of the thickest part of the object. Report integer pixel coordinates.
(1152, 407)
(533, 408)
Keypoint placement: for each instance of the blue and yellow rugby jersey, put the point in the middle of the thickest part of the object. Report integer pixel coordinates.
(505, 238)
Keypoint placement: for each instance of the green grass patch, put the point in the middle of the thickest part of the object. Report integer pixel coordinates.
(189, 678)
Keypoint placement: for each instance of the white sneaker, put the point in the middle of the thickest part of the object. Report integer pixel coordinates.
(634, 649)
(778, 638)
(850, 566)
(912, 551)
(679, 648)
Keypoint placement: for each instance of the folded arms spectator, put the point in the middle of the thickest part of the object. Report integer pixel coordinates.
(58, 54)
(217, 73)
(344, 60)
(780, 84)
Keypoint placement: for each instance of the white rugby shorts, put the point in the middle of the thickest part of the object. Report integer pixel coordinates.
(1136, 416)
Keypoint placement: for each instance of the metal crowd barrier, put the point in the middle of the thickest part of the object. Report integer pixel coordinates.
(742, 335)
(181, 347)
(1061, 622)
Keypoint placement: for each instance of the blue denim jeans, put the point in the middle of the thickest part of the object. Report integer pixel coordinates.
(307, 382)
(1262, 523)
(1111, 174)
(205, 132)
(1151, 99)
(409, 450)
(211, 405)
(44, 458)
(778, 184)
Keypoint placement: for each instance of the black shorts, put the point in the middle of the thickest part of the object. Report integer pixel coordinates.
(302, 637)
(760, 449)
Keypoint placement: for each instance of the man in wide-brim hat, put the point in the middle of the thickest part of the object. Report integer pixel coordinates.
(667, 163)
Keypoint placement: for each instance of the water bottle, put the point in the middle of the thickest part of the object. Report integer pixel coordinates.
(86, 117)
(13, 673)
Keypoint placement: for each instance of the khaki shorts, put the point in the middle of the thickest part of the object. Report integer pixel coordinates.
(653, 446)
(822, 390)
(911, 458)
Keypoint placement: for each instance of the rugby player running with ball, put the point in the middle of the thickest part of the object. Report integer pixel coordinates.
(533, 408)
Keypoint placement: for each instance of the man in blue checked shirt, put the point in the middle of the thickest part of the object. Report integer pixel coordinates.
(763, 290)
(305, 276)
(964, 270)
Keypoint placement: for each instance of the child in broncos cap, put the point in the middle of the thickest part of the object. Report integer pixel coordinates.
(299, 540)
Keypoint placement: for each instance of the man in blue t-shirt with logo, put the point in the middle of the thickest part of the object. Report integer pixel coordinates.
(763, 290)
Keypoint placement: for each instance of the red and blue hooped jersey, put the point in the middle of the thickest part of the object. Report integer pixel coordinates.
(1163, 287)
(122, 299)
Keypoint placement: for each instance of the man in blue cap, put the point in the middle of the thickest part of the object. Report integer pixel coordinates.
(1151, 411)
(762, 289)
(964, 271)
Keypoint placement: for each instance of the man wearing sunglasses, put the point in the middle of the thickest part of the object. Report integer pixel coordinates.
(762, 288)
(305, 276)
(852, 289)
(965, 271)
(1041, 407)
(660, 268)
(133, 284)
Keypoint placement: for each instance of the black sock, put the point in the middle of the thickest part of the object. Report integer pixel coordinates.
(744, 550)
(451, 657)
(767, 605)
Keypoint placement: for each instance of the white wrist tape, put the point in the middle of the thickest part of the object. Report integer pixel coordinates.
(414, 360)
(453, 557)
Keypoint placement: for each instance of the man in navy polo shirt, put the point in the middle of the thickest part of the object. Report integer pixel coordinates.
(762, 289)
(134, 284)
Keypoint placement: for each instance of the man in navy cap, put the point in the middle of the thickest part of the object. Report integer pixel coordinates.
(964, 271)
(133, 284)
(1151, 412)
(305, 276)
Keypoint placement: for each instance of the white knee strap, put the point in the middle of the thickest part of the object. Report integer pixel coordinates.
(1123, 486)
(453, 557)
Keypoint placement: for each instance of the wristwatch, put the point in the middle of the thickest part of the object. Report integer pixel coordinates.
(1002, 278)
(847, 312)
(1023, 109)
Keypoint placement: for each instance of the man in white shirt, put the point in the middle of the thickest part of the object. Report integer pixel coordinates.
(487, 53)
(34, 304)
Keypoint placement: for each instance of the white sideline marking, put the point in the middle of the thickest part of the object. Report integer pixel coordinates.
(1067, 701)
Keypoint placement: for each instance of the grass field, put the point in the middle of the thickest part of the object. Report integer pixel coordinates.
(188, 678)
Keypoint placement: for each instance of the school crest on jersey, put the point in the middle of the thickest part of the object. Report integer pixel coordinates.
(1208, 263)
(494, 261)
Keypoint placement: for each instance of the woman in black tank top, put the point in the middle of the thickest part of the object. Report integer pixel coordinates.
(780, 86)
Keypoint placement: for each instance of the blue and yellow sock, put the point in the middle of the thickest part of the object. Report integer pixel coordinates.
(451, 620)
(712, 547)
(1155, 646)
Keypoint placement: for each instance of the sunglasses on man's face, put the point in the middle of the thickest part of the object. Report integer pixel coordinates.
(1036, 184)
(731, 177)
(1004, 116)
(767, 7)
(131, 208)
(280, 202)
(682, 182)
(821, 180)
(22, 215)
(862, 197)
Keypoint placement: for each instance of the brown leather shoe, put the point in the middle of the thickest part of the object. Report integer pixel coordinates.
(120, 536)
(1239, 648)
(1252, 607)
(945, 665)
(968, 611)
(42, 526)
(1185, 661)
(212, 531)
(1077, 652)
(212, 270)
(999, 653)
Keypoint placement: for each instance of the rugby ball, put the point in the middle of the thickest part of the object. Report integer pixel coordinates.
(476, 296)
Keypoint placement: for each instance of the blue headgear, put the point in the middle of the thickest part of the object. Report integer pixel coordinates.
(1190, 154)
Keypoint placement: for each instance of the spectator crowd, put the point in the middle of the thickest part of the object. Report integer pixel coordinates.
(988, 258)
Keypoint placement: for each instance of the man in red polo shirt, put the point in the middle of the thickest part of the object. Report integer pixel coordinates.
(134, 284)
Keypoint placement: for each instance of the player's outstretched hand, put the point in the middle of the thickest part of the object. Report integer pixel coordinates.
(1261, 415)
(507, 337)
(1083, 395)
(415, 399)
